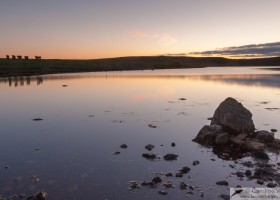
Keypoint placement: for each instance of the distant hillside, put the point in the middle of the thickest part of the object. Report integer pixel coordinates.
(49, 66)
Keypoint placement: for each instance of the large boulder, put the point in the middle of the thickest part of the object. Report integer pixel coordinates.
(233, 117)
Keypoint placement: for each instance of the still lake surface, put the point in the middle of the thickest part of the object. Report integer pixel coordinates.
(87, 116)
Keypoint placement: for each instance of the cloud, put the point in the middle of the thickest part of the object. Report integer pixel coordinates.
(252, 50)
(162, 39)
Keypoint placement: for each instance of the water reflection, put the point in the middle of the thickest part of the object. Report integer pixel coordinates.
(263, 80)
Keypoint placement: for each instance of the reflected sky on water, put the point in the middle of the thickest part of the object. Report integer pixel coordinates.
(87, 116)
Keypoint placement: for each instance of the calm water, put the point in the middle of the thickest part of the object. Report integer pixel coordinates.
(71, 150)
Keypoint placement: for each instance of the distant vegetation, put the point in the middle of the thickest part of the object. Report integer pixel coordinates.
(9, 67)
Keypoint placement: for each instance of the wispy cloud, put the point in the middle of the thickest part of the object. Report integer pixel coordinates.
(252, 50)
(162, 39)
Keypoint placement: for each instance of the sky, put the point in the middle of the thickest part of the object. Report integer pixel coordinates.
(89, 29)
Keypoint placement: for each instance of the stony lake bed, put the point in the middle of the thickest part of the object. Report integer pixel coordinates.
(128, 135)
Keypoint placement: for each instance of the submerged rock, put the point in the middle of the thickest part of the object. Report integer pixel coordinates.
(233, 116)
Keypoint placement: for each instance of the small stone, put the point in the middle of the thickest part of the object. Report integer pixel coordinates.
(248, 172)
(37, 119)
(32, 197)
(273, 130)
(134, 185)
(157, 180)
(190, 192)
(225, 196)
(149, 147)
(240, 174)
(168, 184)
(212, 159)
(224, 183)
(260, 181)
(271, 185)
(64, 85)
(260, 155)
(169, 174)
(184, 169)
(183, 186)
(116, 152)
(149, 156)
(6, 167)
(247, 164)
(179, 174)
(170, 156)
(173, 144)
(123, 146)
(41, 196)
(150, 183)
(163, 192)
(191, 187)
(196, 162)
(182, 99)
(152, 126)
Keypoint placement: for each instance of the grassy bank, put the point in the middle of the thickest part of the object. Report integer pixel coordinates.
(37, 67)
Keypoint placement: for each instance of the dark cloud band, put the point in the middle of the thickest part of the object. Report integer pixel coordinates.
(252, 50)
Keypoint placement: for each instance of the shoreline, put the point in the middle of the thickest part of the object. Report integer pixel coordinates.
(31, 67)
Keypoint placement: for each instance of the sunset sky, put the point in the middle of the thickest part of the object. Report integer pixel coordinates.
(87, 29)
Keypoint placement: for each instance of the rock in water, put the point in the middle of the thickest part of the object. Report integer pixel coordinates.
(253, 146)
(207, 134)
(233, 116)
(264, 136)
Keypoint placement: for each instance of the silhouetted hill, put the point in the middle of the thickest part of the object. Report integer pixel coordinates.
(49, 66)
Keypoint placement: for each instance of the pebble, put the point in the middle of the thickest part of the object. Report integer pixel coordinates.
(260, 181)
(224, 183)
(163, 192)
(196, 162)
(185, 169)
(149, 147)
(123, 146)
(271, 185)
